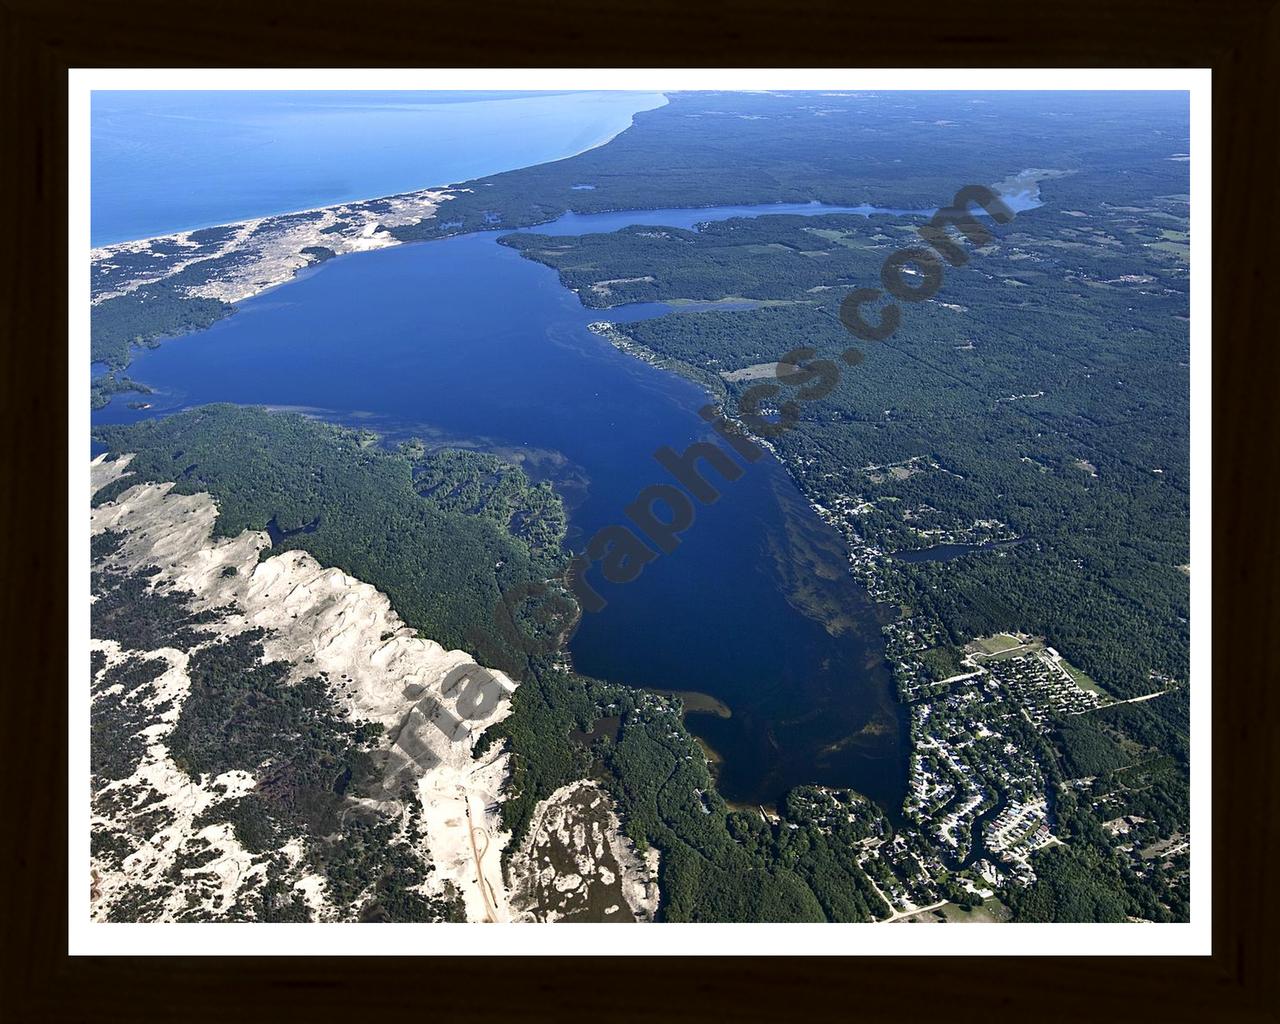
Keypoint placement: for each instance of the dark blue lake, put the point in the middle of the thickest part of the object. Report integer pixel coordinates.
(462, 340)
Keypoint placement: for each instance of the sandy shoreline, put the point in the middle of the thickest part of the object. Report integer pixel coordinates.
(259, 253)
(132, 243)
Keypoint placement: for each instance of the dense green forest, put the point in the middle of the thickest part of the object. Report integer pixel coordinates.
(446, 515)
(144, 316)
(1042, 394)
(349, 504)
(898, 150)
(1045, 388)
(717, 864)
(103, 388)
(1087, 880)
(479, 484)
(159, 308)
(242, 712)
(800, 867)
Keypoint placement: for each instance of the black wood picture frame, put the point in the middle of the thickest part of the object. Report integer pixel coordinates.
(1238, 39)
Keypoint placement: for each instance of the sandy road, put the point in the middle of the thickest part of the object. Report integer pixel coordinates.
(486, 890)
(1130, 700)
(900, 914)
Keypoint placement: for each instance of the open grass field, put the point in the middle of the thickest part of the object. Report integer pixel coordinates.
(996, 644)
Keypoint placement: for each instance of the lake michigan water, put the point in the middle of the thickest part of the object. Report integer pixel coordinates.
(172, 161)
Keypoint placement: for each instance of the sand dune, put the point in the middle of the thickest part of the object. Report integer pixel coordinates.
(321, 620)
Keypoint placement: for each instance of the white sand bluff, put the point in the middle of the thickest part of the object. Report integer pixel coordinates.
(326, 621)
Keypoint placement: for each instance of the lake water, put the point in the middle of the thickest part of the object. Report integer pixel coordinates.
(463, 340)
(172, 161)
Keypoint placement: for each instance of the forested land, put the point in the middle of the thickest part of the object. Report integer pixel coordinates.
(1041, 394)
(430, 529)
(717, 864)
(143, 317)
(351, 505)
(896, 150)
(1046, 387)
(103, 388)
